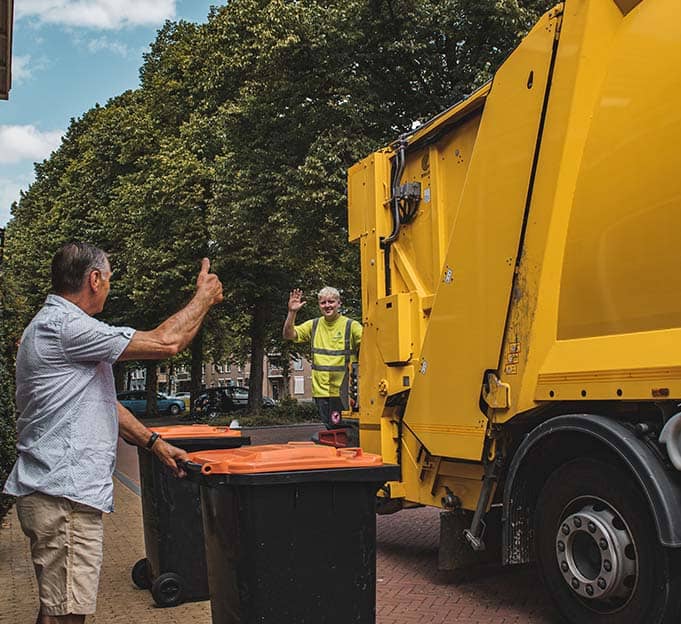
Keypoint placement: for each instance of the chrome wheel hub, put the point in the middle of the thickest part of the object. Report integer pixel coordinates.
(596, 554)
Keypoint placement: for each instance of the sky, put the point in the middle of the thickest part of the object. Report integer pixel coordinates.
(67, 56)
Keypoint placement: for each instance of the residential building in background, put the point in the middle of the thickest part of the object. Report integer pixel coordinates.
(178, 379)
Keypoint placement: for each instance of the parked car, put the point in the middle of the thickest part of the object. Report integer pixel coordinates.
(225, 399)
(136, 402)
(185, 396)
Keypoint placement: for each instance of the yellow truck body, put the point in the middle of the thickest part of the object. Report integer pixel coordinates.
(521, 297)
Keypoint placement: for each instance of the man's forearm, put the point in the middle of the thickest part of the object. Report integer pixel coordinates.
(182, 326)
(289, 331)
(131, 429)
(171, 336)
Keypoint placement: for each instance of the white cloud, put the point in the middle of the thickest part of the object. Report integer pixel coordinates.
(9, 192)
(21, 68)
(104, 44)
(25, 67)
(103, 14)
(19, 143)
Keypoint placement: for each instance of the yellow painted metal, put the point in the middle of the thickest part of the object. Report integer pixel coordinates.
(545, 248)
(623, 231)
(467, 322)
(368, 191)
(395, 327)
(597, 299)
(427, 478)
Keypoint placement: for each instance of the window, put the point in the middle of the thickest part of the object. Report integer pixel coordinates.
(298, 364)
(298, 384)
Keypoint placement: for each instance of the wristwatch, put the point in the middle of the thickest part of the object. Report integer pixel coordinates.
(152, 440)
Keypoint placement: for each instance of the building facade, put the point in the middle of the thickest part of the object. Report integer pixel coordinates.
(215, 374)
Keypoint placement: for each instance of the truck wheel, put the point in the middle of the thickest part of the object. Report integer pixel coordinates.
(141, 575)
(597, 548)
(168, 590)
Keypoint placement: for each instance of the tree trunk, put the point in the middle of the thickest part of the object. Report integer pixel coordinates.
(152, 389)
(196, 368)
(286, 372)
(257, 357)
(171, 379)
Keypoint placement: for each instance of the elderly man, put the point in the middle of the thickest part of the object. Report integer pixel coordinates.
(69, 420)
(334, 341)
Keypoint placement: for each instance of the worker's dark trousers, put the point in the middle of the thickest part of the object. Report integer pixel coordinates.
(329, 409)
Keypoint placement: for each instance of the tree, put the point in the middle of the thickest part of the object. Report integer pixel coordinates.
(7, 420)
(236, 146)
(320, 85)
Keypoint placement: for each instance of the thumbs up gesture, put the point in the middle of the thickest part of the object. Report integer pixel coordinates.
(207, 284)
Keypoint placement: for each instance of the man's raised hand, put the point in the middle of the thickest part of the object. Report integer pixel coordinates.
(208, 284)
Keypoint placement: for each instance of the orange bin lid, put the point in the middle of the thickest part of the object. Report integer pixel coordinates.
(289, 457)
(188, 432)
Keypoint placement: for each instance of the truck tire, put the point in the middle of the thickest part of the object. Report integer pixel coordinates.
(597, 548)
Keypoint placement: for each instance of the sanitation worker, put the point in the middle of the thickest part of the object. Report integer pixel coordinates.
(334, 341)
(69, 420)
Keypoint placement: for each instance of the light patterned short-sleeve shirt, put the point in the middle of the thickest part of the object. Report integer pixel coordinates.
(67, 425)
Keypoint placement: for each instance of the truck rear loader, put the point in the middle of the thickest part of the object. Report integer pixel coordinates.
(521, 296)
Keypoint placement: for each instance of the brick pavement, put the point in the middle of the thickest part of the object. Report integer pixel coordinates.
(410, 590)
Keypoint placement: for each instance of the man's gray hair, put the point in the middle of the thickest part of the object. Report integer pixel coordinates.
(72, 264)
(329, 291)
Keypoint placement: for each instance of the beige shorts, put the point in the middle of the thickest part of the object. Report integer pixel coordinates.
(66, 548)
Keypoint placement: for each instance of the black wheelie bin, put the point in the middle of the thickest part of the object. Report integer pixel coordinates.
(290, 532)
(174, 568)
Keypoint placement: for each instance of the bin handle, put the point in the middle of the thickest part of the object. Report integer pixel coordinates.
(190, 466)
(350, 451)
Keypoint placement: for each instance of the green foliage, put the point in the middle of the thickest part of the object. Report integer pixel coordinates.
(7, 420)
(7, 435)
(236, 146)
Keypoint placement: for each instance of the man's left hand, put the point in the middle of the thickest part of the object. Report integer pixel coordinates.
(170, 455)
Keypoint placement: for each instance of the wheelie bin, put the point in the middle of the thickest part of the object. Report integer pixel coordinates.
(290, 532)
(174, 568)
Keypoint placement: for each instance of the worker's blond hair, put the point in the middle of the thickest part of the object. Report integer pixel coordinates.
(329, 291)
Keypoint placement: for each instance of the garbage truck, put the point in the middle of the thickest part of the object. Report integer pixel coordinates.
(521, 301)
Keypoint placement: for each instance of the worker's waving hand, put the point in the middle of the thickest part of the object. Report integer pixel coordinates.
(295, 300)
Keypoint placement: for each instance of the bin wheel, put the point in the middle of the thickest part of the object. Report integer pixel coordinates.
(140, 574)
(168, 590)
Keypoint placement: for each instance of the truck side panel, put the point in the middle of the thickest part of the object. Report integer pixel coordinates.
(464, 335)
(604, 230)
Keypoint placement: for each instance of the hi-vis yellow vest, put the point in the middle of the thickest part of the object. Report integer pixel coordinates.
(334, 346)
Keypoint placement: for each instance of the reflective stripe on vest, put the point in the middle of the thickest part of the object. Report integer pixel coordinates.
(319, 351)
